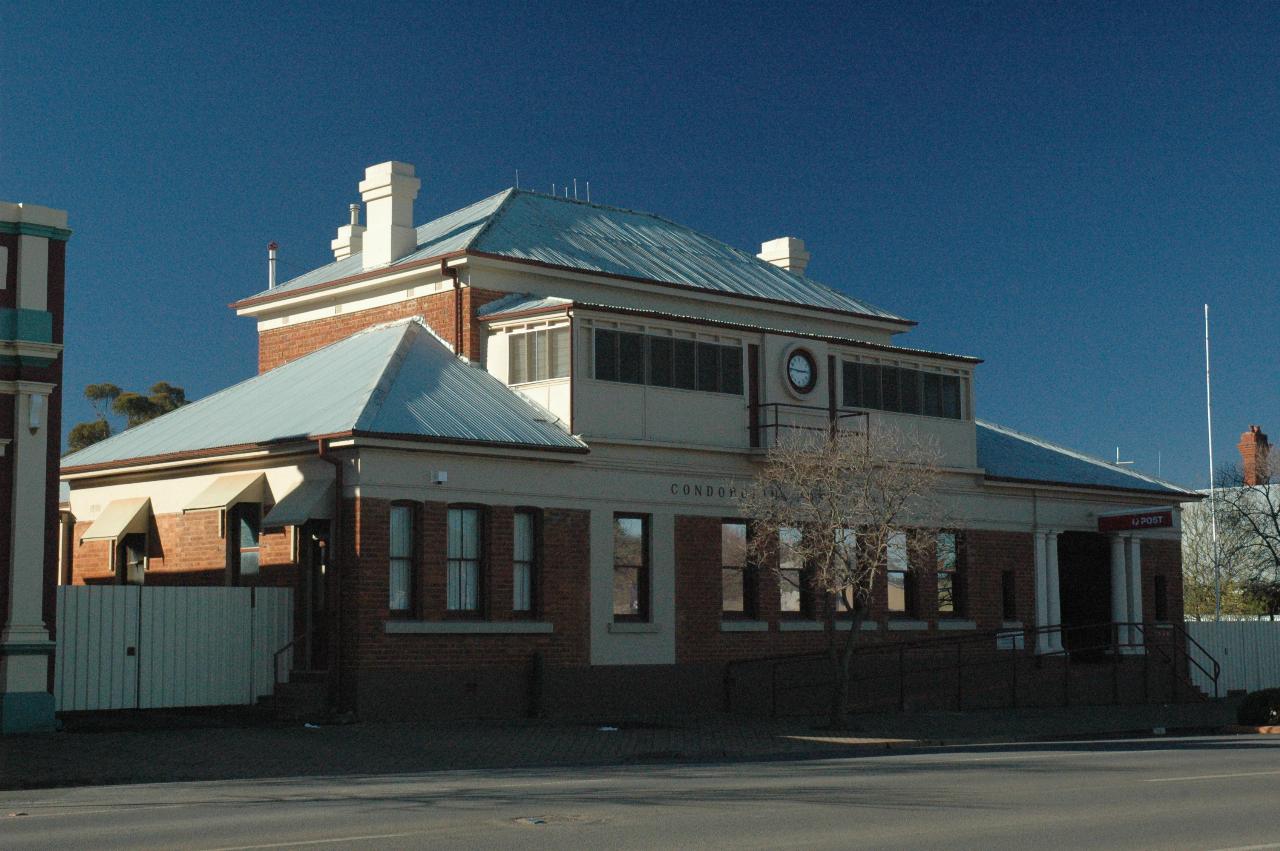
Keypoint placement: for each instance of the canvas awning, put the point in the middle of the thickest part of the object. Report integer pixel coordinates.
(312, 499)
(119, 518)
(226, 491)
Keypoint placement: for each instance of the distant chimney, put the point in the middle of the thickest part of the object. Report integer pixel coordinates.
(1254, 450)
(271, 265)
(350, 237)
(786, 252)
(388, 190)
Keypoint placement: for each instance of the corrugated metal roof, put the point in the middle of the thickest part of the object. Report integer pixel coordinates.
(519, 303)
(1008, 454)
(449, 233)
(592, 237)
(394, 379)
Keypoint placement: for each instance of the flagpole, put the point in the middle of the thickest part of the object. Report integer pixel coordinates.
(1213, 508)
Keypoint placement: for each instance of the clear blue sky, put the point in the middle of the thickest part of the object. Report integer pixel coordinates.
(1055, 188)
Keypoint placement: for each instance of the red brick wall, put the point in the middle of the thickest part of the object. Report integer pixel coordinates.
(1162, 558)
(186, 549)
(986, 556)
(562, 593)
(281, 345)
(697, 563)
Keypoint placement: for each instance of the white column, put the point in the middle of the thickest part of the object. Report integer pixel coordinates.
(1134, 575)
(1043, 644)
(1055, 590)
(1119, 589)
(24, 663)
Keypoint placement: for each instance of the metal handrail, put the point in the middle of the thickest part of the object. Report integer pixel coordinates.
(834, 417)
(985, 637)
(275, 658)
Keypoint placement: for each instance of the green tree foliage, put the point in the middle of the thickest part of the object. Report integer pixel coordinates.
(87, 434)
(101, 396)
(135, 408)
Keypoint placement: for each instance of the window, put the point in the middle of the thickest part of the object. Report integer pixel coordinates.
(708, 367)
(889, 389)
(899, 574)
(731, 370)
(134, 547)
(1161, 589)
(630, 567)
(523, 561)
(686, 369)
(606, 355)
(871, 397)
(951, 397)
(401, 551)
(245, 533)
(661, 367)
(631, 358)
(948, 580)
(735, 577)
(901, 389)
(462, 591)
(909, 390)
(847, 556)
(538, 355)
(661, 361)
(790, 571)
(1008, 596)
(932, 392)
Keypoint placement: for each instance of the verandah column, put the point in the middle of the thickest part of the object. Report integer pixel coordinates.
(1043, 644)
(1134, 607)
(1119, 590)
(1054, 589)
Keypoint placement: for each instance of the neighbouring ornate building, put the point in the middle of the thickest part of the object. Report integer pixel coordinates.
(33, 247)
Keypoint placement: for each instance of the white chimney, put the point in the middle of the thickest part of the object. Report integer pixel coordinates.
(785, 252)
(271, 265)
(388, 190)
(350, 237)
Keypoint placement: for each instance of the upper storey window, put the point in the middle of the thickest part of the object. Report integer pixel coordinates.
(661, 361)
(538, 355)
(902, 390)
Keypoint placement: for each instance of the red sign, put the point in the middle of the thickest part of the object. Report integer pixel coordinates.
(1136, 521)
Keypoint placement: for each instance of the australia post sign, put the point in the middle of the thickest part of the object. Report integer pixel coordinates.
(1157, 518)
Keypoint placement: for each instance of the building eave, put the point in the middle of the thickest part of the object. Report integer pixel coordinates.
(1138, 492)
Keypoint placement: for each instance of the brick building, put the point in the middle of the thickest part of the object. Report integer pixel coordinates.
(33, 243)
(499, 456)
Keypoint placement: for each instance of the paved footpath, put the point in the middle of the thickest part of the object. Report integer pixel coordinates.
(157, 748)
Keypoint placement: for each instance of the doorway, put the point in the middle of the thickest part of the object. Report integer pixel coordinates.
(1084, 586)
(313, 550)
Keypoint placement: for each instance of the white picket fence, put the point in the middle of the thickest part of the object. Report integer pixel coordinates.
(1248, 651)
(134, 647)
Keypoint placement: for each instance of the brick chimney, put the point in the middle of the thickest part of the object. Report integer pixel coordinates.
(388, 190)
(785, 252)
(1254, 450)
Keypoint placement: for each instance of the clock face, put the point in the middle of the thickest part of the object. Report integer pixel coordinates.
(801, 372)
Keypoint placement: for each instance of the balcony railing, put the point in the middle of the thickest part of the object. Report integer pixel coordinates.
(767, 421)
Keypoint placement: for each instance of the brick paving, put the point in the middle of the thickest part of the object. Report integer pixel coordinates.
(165, 747)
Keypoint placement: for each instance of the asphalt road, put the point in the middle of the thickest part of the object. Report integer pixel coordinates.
(1208, 793)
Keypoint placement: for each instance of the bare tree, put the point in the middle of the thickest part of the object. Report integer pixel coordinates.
(1231, 567)
(1249, 506)
(829, 513)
